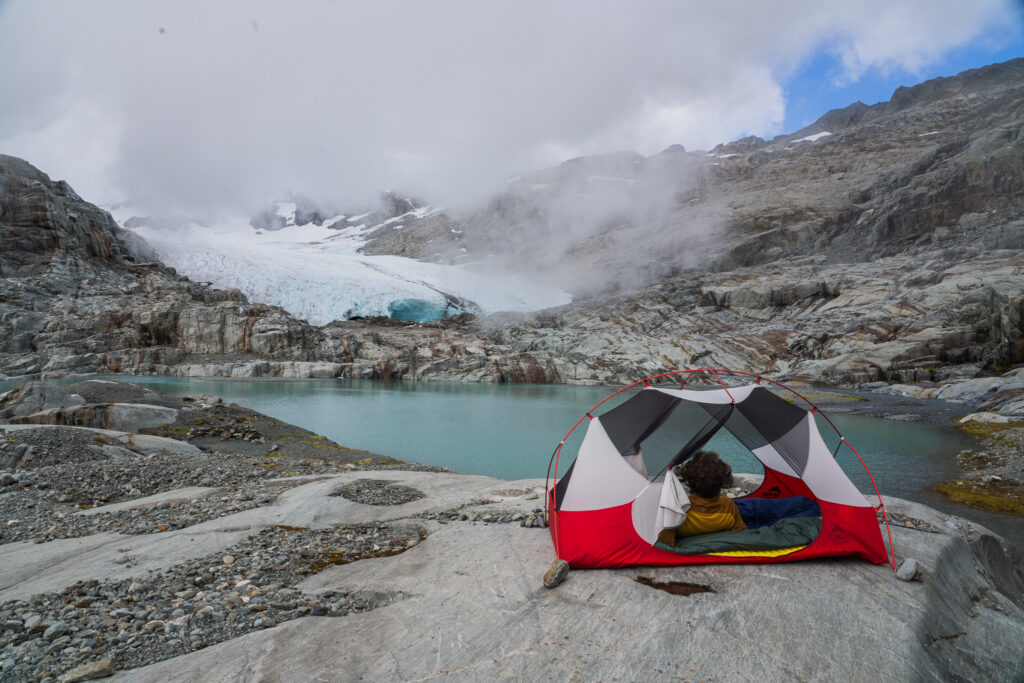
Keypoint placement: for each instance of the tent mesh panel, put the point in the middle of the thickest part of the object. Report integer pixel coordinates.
(634, 420)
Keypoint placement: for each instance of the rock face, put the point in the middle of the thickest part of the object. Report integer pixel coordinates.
(887, 250)
(47, 225)
(491, 619)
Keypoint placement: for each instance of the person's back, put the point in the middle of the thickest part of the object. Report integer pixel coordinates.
(704, 475)
(708, 515)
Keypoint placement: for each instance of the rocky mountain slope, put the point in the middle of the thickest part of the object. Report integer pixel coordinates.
(888, 249)
(880, 243)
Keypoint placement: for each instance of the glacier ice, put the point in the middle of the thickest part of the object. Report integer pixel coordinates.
(318, 273)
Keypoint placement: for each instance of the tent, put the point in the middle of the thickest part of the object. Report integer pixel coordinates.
(605, 511)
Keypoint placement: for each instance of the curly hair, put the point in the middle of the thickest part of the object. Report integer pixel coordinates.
(705, 474)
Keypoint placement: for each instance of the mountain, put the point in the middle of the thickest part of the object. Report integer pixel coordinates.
(860, 183)
(881, 243)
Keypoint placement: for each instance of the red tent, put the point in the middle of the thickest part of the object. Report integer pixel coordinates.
(603, 511)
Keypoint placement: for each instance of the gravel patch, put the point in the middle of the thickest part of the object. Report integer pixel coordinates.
(40, 504)
(44, 447)
(193, 604)
(39, 496)
(488, 515)
(378, 492)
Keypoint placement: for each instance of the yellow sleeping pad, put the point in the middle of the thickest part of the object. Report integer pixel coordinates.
(758, 553)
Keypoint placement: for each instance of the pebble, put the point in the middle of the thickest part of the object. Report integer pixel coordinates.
(55, 630)
(556, 573)
(909, 570)
(87, 672)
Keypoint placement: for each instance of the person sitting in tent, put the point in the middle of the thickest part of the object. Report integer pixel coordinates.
(705, 475)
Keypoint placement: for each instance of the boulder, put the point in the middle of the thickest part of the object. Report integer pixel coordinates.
(121, 417)
(34, 397)
(134, 417)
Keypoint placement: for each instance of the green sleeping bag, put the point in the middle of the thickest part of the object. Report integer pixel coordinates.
(785, 533)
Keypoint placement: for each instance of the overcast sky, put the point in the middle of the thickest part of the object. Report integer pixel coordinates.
(226, 105)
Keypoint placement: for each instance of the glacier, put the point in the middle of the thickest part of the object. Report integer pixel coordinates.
(318, 273)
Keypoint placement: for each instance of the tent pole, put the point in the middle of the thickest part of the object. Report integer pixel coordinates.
(547, 499)
(881, 505)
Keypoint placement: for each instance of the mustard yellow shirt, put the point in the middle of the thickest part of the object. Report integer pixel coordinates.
(706, 516)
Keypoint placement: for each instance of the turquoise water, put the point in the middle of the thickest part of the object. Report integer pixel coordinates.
(510, 430)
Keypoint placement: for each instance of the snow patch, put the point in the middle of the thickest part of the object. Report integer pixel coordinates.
(814, 137)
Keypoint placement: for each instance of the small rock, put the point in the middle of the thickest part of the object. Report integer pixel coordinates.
(908, 570)
(154, 625)
(101, 668)
(55, 630)
(229, 559)
(34, 622)
(556, 573)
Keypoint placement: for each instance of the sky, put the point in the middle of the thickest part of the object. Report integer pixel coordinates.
(203, 107)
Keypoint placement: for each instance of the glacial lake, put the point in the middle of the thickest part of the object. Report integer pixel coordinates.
(510, 431)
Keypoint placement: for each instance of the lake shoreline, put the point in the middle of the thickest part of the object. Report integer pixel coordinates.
(981, 494)
(849, 400)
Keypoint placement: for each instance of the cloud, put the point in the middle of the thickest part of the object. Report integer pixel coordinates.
(224, 105)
